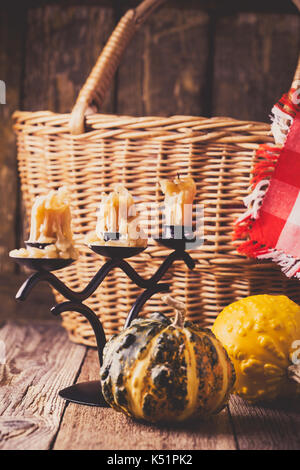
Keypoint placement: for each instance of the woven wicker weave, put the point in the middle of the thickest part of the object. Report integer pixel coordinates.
(88, 152)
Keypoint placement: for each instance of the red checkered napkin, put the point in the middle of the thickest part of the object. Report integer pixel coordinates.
(271, 224)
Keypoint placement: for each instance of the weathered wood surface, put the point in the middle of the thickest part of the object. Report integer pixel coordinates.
(103, 428)
(282, 6)
(166, 68)
(39, 362)
(37, 307)
(62, 45)
(11, 64)
(249, 74)
(275, 426)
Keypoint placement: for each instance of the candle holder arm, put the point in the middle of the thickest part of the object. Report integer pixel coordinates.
(133, 275)
(40, 276)
(174, 256)
(58, 285)
(85, 393)
(98, 278)
(90, 316)
(142, 299)
(145, 283)
(188, 260)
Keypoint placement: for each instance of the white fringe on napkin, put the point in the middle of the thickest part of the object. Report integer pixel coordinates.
(289, 265)
(254, 200)
(281, 122)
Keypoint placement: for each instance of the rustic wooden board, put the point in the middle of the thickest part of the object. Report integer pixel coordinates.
(37, 307)
(221, 6)
(104, 428)
(164, 70)
(255, 56)
(272, 427)
(11, 64)
(284, 6)
(63, 44)
(39, 362)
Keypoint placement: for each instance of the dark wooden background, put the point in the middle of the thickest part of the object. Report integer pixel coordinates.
(193, 57)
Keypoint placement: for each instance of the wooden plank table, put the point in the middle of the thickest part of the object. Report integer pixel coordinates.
(39, 360)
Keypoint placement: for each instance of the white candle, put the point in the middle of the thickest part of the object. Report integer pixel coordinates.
(50, 223)
(117, 214)
(179, 196)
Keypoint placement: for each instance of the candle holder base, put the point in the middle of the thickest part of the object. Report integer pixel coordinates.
(85, 393)
(117, 252)
(44, 264)
(173, 243)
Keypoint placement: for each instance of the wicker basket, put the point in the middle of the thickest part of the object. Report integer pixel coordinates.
(89, 152)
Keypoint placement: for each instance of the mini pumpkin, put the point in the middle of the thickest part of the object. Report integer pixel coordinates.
(261, 334)
(162, 371)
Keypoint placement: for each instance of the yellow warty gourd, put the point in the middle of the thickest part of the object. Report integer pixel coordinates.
(261, 334)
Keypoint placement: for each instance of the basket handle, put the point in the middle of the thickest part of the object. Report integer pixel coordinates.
(98, 82)
(93, 91)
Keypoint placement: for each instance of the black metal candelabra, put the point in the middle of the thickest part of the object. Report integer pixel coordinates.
(175, 238)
